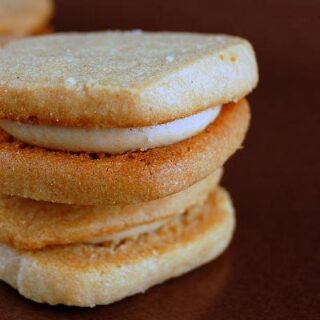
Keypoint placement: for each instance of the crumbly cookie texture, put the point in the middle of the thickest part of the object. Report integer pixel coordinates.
(87, 275)
(97, 179)
(122, 79)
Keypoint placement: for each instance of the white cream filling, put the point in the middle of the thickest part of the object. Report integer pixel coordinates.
(111, 140)
(132, 232)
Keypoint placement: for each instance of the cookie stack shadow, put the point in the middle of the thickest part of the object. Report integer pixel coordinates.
(112, 146)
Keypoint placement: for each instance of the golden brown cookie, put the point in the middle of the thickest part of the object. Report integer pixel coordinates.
(122, 79)
(29, 224)
(95, 179)
(87, 275)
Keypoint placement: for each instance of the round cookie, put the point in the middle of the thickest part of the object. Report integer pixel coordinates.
(24, 17)
(122, 79)
(95, 179)
(87, 275)
(29, 224)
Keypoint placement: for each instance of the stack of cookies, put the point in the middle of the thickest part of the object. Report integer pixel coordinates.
(111, 151)
(20, 18)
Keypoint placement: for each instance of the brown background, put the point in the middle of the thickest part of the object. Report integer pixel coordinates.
(271, 270)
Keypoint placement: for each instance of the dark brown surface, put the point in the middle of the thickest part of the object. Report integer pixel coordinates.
(271, 270)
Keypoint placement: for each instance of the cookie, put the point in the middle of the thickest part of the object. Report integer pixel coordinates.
(111, 149)
(97, 179)
(29, 224)
(122, 79)
(24, 17)
(87, 275)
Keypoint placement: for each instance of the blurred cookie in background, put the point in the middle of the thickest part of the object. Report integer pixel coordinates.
(20, 18)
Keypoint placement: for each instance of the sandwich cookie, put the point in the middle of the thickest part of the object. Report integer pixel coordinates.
(115, 118)
(29, 224)
(122, 136)
(91, 274)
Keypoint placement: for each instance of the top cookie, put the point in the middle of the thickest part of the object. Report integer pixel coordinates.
(23, 17)
(121, 79)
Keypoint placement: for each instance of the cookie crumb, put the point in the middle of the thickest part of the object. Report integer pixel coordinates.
(233, 57)
(170, 59)
(71, 81)
(136, 31)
